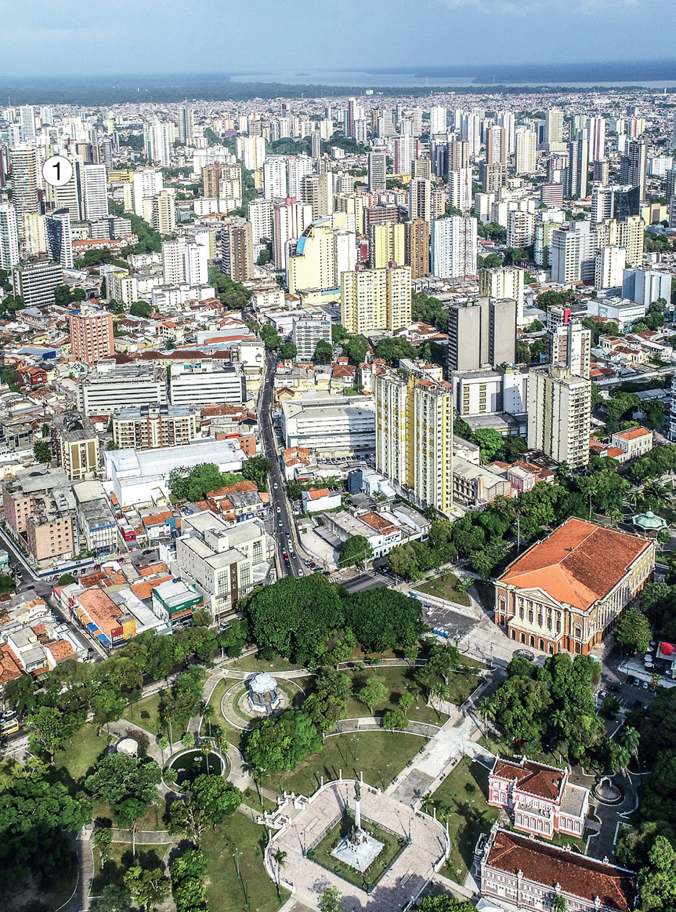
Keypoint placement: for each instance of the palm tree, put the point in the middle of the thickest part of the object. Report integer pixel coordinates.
(208, 713)
(488, 709)
(280, 857)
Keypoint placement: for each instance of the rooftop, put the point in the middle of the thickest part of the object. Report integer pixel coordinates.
(577, 564)
(534, 778)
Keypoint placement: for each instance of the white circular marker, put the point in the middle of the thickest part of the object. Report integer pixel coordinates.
(57, 171)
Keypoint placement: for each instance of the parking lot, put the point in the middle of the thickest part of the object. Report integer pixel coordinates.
(449, 623)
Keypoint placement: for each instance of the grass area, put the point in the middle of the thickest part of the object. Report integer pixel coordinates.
(252, 800)
(121, 859)
(225, 893)
(462, 795)
(151, 820)
(79, 755)
(445, 587)
(392, 846)
(255, 664)
(561, 839)
(398, 680)
(380, 755)
(234, 735)
(145, 714)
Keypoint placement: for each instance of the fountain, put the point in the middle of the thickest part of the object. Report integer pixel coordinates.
(358, 849)
(607, 792)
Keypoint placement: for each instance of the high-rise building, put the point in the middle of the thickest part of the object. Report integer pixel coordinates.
(601, 173)
(318, 193)
(458, 155)
(419, 201)
(9, 237)
(504, 282)
(24, 162)
(290, 219)
(496, 148)
(520, 228)
(526, 146)
(505, 119)
(159, 211)
(417, 248)
(211, 175)
(554, 126)
(27, 122)
(196, 263)
(307, 333)
(185, 125)
(146, 182)
(158, 141)
(95, 193)
(35, 235)
(251, 151)
(572, 253)
(438, 116)
(35, 280)
(91, 335)
(260, 216)
(460, 189)
(319, 258)
(493, 178)
(470, 130)
(274, 177)
(414, 436)
(634, 166)
(644, 286)
(578, 166)
(597, 138)
(387, 245)
(609, 267)
(237, 252)
(298, 167)
(628, 233)
(377, 171)
(405, 153)
(374, 299)
(60, 238)
(559, 414)
(481, 333)
(568, 343)
(454, 246)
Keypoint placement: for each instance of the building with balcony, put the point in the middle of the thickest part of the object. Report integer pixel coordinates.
(151, 427)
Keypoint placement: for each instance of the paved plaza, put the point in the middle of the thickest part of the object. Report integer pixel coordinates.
(405, 878)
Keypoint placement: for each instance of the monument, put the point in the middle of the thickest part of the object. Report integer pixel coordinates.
(358, 849)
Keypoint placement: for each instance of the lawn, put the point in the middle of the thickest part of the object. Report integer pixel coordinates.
(380, 755)
(225, 893)
(445, 587)
(121, 859)
(79, 755)
(145, 714)
(463, 793)
(398, 679)
(234, 735)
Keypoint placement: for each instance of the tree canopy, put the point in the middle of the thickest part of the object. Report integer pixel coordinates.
(127, 783)
(279, 744)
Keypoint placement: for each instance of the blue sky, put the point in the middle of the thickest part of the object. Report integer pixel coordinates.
(61, 37)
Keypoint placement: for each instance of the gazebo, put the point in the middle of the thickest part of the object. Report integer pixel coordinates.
(649, 524)
(263, 693)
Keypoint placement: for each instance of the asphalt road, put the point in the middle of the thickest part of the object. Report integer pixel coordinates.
(281, 519)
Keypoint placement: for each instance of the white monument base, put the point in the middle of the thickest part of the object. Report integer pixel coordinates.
(358, 855)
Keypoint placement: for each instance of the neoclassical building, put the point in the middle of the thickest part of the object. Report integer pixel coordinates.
(538, 798)
(565, 593)
(519, 872)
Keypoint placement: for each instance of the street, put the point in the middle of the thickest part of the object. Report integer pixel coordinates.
(281, 524)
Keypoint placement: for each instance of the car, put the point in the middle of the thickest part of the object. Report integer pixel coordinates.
(602, 695)
(288, 534)
(279, 509)
(615, 688)
(301, 572)
(275, 486)
(644, 685)
(637, 682)
(280, 524)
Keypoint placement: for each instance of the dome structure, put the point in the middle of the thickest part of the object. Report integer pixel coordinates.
(649, 522)
(263, 693)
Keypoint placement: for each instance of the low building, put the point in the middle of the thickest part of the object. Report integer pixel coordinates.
(239, 502)
(176, 602)
(539, 799)
(75, 445)
(207, 383)
(317, 499)
(111, 387)
(519, 872)
(474, 485)
(151, 427)
(565, 593)
(633, 443)
(98, 526)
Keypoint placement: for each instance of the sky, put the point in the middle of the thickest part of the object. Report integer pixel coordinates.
(67, 37)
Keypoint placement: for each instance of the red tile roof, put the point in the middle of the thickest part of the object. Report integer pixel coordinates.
(534, 778)
(579, 563)
(633, 433)
(578, 875)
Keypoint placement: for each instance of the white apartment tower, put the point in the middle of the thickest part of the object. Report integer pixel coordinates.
(290, 219)
(609, 267)
(9, 237)
(274, 177)
(94, 191)
(559, 414)
(454, 246)
(526, 145)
